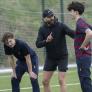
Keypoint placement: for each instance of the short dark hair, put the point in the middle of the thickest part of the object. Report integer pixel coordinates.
(76, 6)
(6, 36)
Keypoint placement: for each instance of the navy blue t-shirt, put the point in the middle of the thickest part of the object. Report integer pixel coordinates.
(20, 50)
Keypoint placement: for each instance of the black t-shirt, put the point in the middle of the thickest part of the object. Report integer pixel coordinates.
(20, 50)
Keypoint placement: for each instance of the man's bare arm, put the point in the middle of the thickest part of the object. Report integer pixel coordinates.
(12, 63)
(29, 64)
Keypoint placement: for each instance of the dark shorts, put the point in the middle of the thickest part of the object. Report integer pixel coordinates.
(52, 65)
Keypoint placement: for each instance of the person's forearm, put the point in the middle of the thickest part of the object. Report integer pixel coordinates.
(87, 38)
(29, 64)
(85, 42)
(71, 33)
(12, 62)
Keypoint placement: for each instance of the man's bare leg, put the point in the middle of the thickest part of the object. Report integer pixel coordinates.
(62, 81)
(46, 80)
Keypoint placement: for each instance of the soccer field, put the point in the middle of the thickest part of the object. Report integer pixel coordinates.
(72, 82)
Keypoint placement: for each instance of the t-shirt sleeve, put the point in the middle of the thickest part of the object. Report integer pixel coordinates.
(7, 50)
(25, 49)
(83, 26)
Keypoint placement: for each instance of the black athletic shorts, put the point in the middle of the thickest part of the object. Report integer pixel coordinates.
(52, 65)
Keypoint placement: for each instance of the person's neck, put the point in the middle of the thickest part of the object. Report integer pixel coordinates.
(77, 17)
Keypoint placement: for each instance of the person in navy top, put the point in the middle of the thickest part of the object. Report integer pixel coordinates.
(82, 45)
(27, 61)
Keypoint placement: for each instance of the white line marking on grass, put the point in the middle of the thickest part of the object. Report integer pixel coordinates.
(72, 84)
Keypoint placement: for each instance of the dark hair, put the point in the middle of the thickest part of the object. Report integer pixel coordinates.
(6, 36)
(76, 6)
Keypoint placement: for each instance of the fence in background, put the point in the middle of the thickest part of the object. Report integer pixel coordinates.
(24, 17)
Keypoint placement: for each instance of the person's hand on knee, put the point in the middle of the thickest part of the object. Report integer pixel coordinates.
(33, 75)
(13, 75)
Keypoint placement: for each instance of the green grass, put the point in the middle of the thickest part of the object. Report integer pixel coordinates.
(72, 80)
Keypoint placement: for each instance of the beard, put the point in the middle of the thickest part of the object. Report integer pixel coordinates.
(50, 23)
